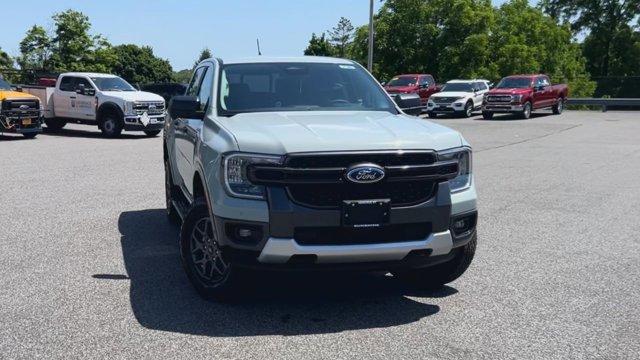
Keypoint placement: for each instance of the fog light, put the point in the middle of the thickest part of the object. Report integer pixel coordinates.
(460, 224)
(244, 233)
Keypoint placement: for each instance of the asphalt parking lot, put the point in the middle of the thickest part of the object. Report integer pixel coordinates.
(89, 265)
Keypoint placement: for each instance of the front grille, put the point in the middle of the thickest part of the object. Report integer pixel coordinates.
(406, 193)
(151, 108)
(355, 236)
(318, 180)
(444, 100)
(21, 108)
(499, 98)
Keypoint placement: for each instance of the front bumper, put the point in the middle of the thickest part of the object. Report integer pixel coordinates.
(21, 125)
(440, 108)
(277, 246)
(502, 107)
(144, 122)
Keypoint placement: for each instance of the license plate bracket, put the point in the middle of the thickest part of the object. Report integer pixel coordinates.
(26, 121)
(366, 213)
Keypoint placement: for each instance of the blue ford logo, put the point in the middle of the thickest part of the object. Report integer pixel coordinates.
(365, 173)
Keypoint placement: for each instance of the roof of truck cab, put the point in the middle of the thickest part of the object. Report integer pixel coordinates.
(296, 59)
(89, 74)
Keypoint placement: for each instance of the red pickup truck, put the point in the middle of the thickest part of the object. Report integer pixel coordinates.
(422, 84)
(522, 94)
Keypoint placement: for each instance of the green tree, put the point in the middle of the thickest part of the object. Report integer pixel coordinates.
(182, 76)
(204, 54)
(610, 43)
(340, 36)
(35, 49)
(6, 62)
(524, 40)
(138, 65)
(319, 46)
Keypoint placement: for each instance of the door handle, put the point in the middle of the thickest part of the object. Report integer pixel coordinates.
(72, 97)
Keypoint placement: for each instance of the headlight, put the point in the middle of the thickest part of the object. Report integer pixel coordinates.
(516, 98)
(463, 180)
(128, 108)
(235, 174)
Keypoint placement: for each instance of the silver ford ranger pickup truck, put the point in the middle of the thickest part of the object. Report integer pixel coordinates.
(307, 163)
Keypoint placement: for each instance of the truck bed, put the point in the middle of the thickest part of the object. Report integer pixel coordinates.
(45, 94)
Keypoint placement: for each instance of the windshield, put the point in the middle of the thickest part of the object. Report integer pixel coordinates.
(4, 85)
(112, 84)
(514, 83)
(263, 87)
(465, 87)
(403, 81)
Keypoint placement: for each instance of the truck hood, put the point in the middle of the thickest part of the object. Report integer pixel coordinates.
(134, 95)
(514, 91)
(289, 132)
(10, 94)
(400, 89)
(451, 94)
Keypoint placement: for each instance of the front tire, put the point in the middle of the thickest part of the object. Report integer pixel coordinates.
(55, 124)
(526, 111)
(468, 109)
(435, 277)
(111, 125)
(558, 107)
(208, 268)
(432, 115)
(487, 115)
(30, 135)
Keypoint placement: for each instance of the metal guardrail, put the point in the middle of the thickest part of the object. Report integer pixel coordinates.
(605, 103)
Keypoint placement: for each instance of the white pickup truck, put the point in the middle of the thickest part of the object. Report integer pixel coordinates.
(105, 100)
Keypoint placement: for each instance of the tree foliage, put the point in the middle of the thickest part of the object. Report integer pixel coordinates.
(71, 47)
(471, 39)
(319, 46)
(138, 65)
(204, 54)
(340, 36)
(35, 48)
(6, 62)
(611, 44)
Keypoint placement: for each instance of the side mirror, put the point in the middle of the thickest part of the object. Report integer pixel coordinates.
(409, 103)
(383, 83)
(80, 89)
(539, 87)
(187, 107)
(89, 92)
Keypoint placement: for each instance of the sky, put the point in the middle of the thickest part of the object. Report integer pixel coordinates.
(179, 30)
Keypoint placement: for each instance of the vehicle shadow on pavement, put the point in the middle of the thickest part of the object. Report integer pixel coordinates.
(276, 304)
(512, 117)
(89, 134)
(12, 137)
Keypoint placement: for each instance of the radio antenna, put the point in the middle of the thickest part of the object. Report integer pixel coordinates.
(258, 43)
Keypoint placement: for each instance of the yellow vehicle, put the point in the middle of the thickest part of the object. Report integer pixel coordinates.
(19, 112)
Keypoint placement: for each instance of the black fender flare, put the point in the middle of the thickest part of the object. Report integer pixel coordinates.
(109, 107)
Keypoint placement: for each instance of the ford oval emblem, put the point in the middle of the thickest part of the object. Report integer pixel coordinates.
(365, 173)
(24, 107)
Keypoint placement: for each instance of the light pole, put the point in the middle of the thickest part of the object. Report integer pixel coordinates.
(370, 55)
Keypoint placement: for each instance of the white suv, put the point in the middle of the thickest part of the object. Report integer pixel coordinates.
(460, 97)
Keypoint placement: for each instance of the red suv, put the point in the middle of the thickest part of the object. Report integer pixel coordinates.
(421, 84)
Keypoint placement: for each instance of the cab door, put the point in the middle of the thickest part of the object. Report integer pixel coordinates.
(481, 88)
(188, 131)
(539, 97)
(83, 105)
(62, 96)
